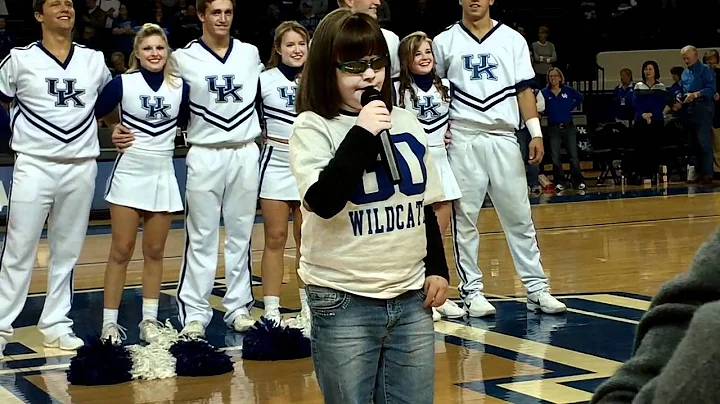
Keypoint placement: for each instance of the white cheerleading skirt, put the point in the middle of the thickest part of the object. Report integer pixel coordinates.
(450, 187)
(144, 180)
(276, 180)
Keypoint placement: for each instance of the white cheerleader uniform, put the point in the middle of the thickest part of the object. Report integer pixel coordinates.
(432, 112)
(143, 176)
(278, 88)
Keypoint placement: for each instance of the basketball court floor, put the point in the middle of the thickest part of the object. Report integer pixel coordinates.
(606, 253)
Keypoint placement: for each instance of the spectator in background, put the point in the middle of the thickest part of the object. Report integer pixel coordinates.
(307, 18)
(111, 8)
(89, 38)
(623, 97)
(7, 42)
(676, 89)
(384, 17)
(649, 100)
(543, 54)
(118, 64)
(560, 101)
(698, 82)
(123, 31)
(189, 27)
(94, 16)
(160, 20)
(532, 171)
(712, 58)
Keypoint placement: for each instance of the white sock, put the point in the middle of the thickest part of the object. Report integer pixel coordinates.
(272, 304)
(303, 299)
(150, 309)
(110, 316)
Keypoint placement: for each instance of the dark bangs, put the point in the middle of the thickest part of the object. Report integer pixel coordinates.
(359, 37)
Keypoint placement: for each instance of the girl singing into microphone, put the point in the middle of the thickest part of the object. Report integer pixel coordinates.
(371, 257)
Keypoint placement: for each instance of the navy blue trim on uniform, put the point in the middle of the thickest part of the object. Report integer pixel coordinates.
(266, 158)
(182, 310)
(7, 223)
(212, 52)
(277, 114)
(434, 120)
(525, 84)
(154, 80)
(484, 38)
(112, 174)
(64, 64)
(483, 105)
(456, 252)
(433, 129)
(79, 129)
(146, 127)
(222, 122)
(4, 98)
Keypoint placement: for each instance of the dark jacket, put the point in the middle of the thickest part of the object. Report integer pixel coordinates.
(676, 356)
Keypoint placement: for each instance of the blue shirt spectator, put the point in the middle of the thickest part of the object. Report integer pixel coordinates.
(699, 78)
(559, 107)
(623, 96)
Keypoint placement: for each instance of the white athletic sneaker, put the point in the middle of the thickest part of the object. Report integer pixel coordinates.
(273, 315)
(114, 332)
(478, 306)
(67, 342)
(545, 302)
(149, 330)
(436, 315)
(450, 309)
(243, 323)
(193, 329)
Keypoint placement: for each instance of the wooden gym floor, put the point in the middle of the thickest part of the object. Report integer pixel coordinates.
(606, 252)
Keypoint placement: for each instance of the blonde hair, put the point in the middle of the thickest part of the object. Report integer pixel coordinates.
(558, 71)
(147, 31)
(408, 46)
(280, 31)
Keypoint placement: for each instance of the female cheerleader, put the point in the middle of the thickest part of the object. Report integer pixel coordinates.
(423, 93)
(370, 283)
(152, 102)
(278, 191)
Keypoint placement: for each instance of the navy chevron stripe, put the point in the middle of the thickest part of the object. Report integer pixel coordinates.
(43, 125)
(489, 106)
(478, 100)
(219, 125)
(280, 111)
(218, 117)
(142, 121)
(281, 119)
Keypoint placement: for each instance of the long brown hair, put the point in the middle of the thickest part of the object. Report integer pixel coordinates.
(147, 31)
(280, 31)
(407, 49)
(341, 36)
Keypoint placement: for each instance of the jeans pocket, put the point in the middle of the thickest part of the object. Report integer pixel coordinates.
(326, 301)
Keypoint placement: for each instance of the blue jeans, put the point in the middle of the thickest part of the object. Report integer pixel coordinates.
(368, 350)
(700, 119)
(532, 171)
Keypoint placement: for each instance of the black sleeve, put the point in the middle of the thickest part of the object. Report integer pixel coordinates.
(328, 196)
(435, 263)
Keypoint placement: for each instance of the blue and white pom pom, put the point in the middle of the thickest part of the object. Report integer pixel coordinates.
(101, 363)
(269, 341)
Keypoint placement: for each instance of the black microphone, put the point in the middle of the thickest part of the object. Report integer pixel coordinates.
(387, 153)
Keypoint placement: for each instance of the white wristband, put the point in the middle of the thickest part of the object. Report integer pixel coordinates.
(533, 125)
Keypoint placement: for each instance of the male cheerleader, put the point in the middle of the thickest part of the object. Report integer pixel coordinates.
(488, 64)
(370, 7)
(222, 168)
(53, 85)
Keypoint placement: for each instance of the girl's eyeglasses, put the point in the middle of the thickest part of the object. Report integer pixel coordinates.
(359, 66)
